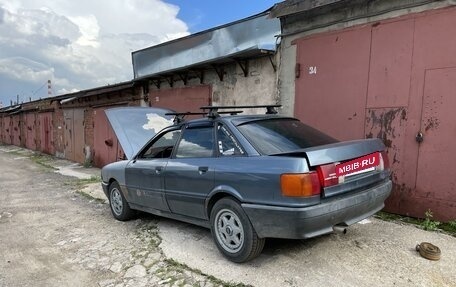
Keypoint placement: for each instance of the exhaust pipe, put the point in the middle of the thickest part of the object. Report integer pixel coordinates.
(340, 229)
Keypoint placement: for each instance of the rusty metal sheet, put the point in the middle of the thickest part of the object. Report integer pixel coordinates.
(30, 131)
(46, 132)
(389, 124)
(68, 133)
(74, 134)
(188, 99)
(436, 175)
(331, 82)
(106, 146)
(390, 64)
(1, 128)
(16, 126)
(6, 136)
(79, 135)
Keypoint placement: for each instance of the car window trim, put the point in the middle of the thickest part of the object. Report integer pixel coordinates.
(153, 140)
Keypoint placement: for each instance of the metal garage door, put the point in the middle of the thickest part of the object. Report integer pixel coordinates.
(30, 130)
(106, 146)
(46, 133)
(74, 134)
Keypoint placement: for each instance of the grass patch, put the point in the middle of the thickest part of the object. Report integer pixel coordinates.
(426, 224)
(449, 227)
(42, 160)
(92, 179)
(90, 197)
(429, 223)
(174, 265)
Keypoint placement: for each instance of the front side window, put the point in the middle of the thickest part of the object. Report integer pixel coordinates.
(163, 146)
(196, 142)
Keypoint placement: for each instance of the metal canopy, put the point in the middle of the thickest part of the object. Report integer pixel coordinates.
(11, 109)
(247, 38)
(97, 91)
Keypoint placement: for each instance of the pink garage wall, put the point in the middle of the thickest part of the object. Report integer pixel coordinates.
(188, 99)
(390, 79)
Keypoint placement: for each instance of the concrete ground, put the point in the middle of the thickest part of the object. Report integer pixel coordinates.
(56, 230)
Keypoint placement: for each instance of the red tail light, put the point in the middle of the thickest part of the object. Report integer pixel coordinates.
(327, 175)
(300, 184)
(384, 160)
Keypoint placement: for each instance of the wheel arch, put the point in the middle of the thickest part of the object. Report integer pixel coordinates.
(219, 193)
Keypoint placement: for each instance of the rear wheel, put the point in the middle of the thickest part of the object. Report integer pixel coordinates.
(233, 233)
(119, 206)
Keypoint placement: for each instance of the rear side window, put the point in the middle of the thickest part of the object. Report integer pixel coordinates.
(282, 135)
(196, 142)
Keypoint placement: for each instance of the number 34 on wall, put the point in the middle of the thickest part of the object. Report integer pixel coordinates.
(312, 70)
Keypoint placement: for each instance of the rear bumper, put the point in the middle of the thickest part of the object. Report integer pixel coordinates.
(307, 222)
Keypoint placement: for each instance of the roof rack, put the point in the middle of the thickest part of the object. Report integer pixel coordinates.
(213, 110)
(179, 117)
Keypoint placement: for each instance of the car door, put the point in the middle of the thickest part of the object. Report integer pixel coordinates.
(145, 174)
(189, 175)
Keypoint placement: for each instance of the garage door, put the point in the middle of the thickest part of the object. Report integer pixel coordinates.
(106, 146)
(331, 81)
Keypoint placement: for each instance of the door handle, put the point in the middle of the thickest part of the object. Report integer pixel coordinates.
(419, 137)
(158, 169)
(203, 169)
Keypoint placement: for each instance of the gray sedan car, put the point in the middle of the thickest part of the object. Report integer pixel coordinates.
(246, 177)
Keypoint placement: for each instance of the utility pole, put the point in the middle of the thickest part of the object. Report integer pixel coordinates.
(49, 89)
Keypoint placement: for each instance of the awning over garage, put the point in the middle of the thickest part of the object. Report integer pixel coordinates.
(247, 38)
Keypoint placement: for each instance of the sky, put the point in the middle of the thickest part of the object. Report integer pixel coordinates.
(86, 44)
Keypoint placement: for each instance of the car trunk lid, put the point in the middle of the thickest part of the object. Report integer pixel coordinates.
(346, 166)
(135, 126)
(337, 152)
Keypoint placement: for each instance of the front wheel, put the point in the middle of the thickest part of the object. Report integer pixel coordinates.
(119, 206)
(233, 233)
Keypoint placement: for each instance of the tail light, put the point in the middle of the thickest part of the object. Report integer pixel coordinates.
(384, 161)
(327, 175)
(300, 184)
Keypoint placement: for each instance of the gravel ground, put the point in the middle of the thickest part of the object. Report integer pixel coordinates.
(56, 229)
(53, 235)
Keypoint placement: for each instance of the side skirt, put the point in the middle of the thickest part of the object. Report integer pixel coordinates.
(191, 220)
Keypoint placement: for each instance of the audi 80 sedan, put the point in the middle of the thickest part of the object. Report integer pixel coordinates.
(246, 177)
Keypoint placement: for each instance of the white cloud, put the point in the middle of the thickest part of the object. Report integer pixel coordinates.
(77, 44)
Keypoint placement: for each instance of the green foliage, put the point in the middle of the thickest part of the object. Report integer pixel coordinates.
(87, 163)
(449, 227)
(43, 160)
(429, 223)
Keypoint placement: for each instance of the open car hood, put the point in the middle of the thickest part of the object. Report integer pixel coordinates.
(135, 126)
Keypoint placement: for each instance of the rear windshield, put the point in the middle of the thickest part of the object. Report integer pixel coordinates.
(282, 135)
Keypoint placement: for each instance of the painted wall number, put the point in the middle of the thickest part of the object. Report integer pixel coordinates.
(312, 70)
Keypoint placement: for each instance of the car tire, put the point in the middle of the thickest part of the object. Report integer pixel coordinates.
(233, 233)
(119, 206)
